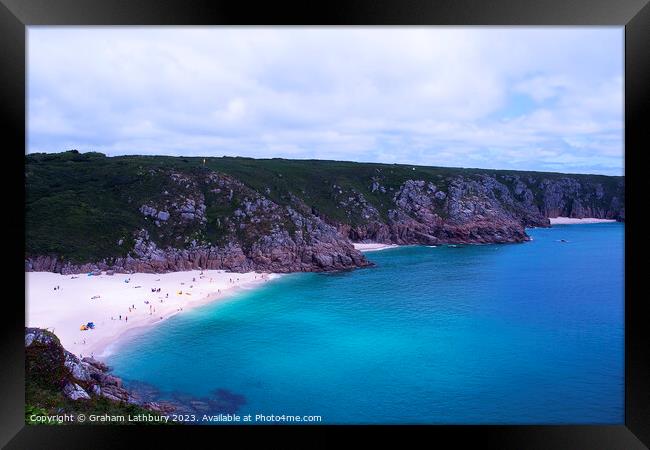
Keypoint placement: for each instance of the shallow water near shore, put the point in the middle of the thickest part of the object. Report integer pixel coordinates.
(517, 333)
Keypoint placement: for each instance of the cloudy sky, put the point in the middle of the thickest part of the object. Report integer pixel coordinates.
(548, 98)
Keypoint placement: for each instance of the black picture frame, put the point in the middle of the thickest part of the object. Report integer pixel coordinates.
(16, 15)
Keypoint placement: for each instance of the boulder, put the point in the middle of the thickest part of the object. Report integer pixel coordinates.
(75, 392)
(76, 367)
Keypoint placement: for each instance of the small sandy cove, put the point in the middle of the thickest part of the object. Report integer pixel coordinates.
(102, 299)
(372, 247)
(572, 221)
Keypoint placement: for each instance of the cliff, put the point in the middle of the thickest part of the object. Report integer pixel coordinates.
(151, 214)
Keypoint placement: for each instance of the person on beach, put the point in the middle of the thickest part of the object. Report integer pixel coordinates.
(126, 318)
(120, 316)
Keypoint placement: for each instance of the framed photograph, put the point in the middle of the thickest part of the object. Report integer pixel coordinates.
(373, 215)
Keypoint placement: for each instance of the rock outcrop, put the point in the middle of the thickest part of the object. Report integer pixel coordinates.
(49, 366)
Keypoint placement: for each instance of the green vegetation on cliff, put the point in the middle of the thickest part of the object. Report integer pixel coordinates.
(86, 206)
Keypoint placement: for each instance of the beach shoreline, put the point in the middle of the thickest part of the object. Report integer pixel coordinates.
(573, 221)
(121, 304)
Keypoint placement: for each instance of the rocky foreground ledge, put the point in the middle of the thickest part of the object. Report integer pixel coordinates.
(58, 381)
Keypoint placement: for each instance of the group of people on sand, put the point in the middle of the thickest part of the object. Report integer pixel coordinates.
(57, 288)
(152, 309)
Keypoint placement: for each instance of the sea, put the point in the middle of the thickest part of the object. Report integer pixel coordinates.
(529, 333)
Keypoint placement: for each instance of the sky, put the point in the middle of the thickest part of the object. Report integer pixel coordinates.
(525, 98)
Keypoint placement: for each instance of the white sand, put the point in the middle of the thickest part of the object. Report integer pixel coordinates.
(63, 311)
(372, 247)
(572, 221)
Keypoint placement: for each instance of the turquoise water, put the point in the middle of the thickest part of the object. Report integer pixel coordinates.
(516, 333)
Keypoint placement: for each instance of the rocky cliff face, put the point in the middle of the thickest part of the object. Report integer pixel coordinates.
(86, 212)
(483, 209)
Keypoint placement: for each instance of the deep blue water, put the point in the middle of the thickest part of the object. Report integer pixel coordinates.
(516, 333)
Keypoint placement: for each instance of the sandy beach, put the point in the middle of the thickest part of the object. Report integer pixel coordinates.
(121, 302)
(572, 221)
(372, 247)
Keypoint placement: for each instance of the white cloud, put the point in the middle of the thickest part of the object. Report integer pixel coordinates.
(542, 88)
(438, 96)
